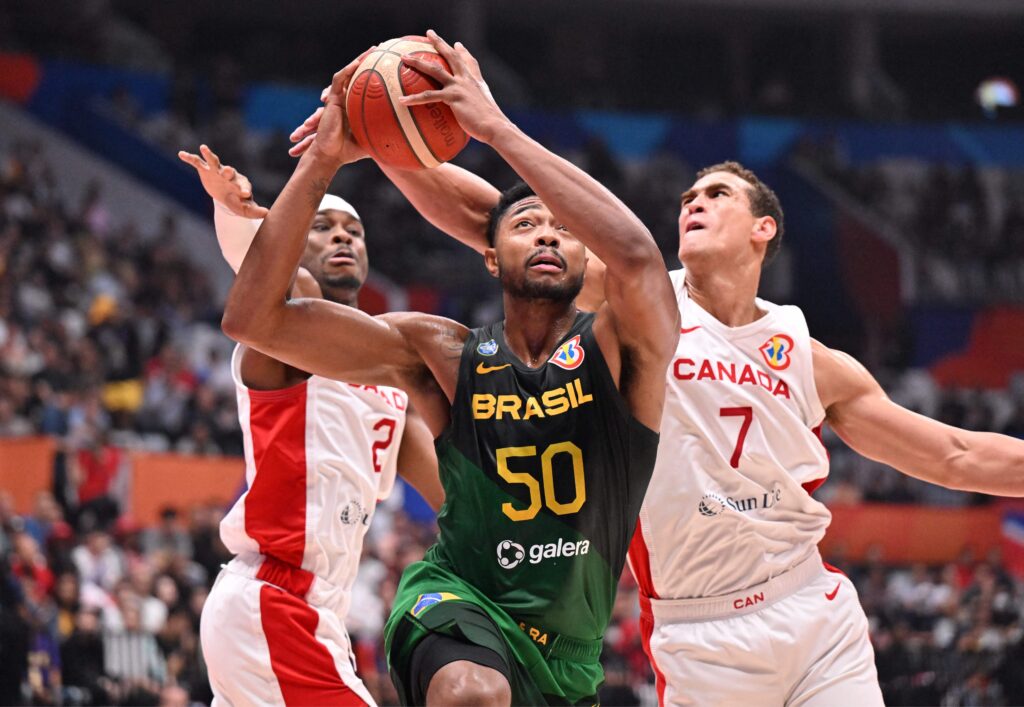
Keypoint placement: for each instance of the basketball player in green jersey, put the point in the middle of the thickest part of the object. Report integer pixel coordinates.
(544, 422)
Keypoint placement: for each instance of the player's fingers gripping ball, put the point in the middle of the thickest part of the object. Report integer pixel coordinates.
(407, 137)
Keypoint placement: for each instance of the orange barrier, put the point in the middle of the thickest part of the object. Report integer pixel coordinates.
(181, 481)
(907, 533)
(26, 468)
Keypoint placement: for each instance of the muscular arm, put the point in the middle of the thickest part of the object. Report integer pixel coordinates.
(873, 425)
(417, 462)
(322, 337)
(640, 317)
(639, 322)
(453, 199)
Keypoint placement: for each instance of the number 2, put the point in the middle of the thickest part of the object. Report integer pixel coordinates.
(382, 444)
(747, 413)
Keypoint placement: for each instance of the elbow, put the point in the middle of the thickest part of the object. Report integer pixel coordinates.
(243, 325)
(235, 326)
(640, 257)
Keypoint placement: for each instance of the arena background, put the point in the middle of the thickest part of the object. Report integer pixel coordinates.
(889, 128)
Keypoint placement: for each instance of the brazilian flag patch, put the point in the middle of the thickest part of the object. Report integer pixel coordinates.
(425, 601)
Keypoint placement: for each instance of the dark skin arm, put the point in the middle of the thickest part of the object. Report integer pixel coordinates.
(457, 202)
(638, 327)
(417, 462)
(415, 352)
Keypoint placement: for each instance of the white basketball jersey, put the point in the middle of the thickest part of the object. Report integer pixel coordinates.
(729, 505)
(319, 456)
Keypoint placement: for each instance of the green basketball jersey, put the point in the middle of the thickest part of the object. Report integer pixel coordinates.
(544, 471)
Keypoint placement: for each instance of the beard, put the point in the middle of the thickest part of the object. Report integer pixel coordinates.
(521, 287)
(340, 284)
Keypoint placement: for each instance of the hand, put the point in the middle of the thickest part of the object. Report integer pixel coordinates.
(464, 90)
(304, 135)
(224, 183)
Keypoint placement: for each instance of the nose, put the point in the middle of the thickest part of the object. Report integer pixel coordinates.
(696, 205)
(340, 235)
(547, 237)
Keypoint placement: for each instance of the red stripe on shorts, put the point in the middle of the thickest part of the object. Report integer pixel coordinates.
(275, 505)
(640, 563)
(303, 666)
(646, 631)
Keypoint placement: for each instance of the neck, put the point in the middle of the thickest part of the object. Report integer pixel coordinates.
(727, 294)
(534, 326)
(342, 295)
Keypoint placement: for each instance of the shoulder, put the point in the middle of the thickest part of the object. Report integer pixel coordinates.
(838, 376)
(421, 329)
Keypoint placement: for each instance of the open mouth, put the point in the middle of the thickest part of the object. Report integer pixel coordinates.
(546, 262)
(694, 226)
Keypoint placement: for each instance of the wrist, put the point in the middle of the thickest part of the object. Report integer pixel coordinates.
(326, 160)
(501, 134)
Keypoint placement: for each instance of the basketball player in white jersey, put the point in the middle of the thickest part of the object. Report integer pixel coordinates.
(320, 454)
(737, 605)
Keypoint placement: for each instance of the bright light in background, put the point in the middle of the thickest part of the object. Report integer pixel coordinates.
(996, 92)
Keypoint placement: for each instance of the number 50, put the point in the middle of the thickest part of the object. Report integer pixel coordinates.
(548, 476)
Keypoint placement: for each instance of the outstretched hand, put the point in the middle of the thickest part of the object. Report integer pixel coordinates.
(304, 135)
(464, 89)
(224, 183)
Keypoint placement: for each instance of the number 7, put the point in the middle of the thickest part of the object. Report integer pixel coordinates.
(747, 413)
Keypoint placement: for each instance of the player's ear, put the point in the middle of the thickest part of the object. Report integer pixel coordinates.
(764, 229)
(491, 261)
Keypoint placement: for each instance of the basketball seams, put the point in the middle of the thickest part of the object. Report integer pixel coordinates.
(383, 70)
(407, 120)
(416, 122)
(362, 108)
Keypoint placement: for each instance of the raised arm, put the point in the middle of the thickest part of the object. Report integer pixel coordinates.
(322, 337)
(873, 425)
(640, 304)
(455, 201)
(236, 215)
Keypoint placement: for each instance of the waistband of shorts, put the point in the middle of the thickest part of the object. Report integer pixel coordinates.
(298, 582)
(739, 603)
(558, 645)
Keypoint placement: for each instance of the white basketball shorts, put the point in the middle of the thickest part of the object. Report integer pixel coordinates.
(264, 646)
(800, 640)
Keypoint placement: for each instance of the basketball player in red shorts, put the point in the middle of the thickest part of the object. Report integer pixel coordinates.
(319, 454)
(737, 606)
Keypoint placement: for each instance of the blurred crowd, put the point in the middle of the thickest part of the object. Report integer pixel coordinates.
(963, 224)
(109, 335)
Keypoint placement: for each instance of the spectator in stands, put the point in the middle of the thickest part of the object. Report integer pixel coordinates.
(99, 563)
(167, 536)
(132, 659)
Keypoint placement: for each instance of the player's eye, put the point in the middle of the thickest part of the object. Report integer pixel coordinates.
(523, 224)
(562, 227)
(355, 233)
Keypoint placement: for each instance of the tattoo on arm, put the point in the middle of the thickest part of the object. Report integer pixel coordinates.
(453, 343)
(317, 190)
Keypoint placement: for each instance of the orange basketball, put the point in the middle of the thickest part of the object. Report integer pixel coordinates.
(407, 137)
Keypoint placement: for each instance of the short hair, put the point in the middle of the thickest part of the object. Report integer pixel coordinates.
(763, 201)
(517, 192)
